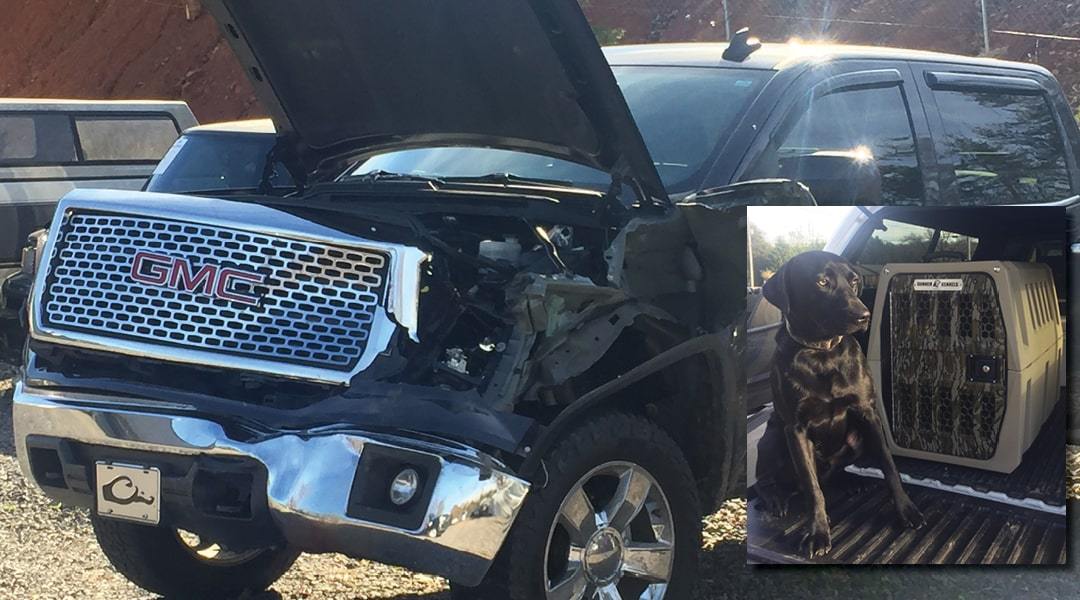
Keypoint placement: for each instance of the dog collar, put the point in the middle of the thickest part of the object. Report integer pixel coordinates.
(828, 344)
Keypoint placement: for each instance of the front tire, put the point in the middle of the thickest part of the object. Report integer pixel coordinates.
(618, 517)
(177, 564)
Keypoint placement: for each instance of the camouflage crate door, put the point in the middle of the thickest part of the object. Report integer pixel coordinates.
(945, 357)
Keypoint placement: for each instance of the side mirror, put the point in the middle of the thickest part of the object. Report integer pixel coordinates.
(757, 192)
(836, 178)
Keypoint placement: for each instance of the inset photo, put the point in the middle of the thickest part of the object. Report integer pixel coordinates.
(906, 385)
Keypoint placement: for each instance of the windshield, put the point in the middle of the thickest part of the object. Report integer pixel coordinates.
(216, 162)
(684, 114)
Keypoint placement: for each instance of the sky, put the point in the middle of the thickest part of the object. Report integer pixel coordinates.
(780, 221)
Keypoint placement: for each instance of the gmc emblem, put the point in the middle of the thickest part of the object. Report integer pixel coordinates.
(211, 280)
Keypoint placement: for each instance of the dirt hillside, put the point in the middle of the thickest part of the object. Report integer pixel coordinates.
(162, 49)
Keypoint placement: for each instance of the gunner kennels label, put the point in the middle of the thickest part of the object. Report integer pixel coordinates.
(938, 285)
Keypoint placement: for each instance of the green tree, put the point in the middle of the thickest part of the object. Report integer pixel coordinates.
(761, 248)
(769, 256)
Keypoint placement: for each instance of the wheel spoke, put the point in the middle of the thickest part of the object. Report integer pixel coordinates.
(578, 516)
(572, 587)
(608, 592)
(650, 561)
(630, 495)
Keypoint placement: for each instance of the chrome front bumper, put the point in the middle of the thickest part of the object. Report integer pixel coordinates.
(310, 473)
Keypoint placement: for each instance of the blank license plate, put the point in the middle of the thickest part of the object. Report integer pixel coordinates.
(129, 492)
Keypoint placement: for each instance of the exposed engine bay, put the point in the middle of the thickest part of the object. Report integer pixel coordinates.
(471, 287)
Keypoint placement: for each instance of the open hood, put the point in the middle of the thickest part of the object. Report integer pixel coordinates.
(345, 79)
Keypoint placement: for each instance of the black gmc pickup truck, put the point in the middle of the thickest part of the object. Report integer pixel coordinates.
(522, 378)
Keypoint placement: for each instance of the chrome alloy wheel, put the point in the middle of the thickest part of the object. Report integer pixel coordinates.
(612, 538)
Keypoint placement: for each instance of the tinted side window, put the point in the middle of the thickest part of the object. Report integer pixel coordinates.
(896, 242)
(36, 139)
(872, 123)
(104, 138)
(217, 161)
(1006, 148)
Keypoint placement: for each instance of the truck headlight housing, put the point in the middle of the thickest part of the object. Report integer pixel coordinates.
(31, 254)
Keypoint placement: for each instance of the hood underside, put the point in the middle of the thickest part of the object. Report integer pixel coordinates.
(348, 79)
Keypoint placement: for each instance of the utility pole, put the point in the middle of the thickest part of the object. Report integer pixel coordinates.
(749, 257)
(985, 28)
(727, 23)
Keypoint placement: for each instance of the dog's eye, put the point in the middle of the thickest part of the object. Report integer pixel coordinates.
(822, 282)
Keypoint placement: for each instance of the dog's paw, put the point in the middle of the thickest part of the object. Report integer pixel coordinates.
(909, 513)
(817, 541)
(777, 504)
(775, 499)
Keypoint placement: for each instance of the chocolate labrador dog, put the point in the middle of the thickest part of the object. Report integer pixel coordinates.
(823, 395)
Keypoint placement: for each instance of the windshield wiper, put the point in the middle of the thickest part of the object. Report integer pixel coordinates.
(389, 176)
(510, 179)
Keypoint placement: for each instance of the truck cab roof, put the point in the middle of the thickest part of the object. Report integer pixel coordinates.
(790, 55)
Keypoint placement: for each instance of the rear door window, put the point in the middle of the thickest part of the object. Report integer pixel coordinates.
(871, 124)
(125, 139)
(1003, 147)
(29, 139)
(897, 242)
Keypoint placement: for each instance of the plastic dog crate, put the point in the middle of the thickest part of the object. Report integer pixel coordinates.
(966, 359)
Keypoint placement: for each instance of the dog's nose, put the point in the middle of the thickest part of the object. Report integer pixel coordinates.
(863, 318)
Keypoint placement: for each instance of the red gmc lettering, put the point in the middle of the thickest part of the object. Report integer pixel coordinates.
(151, 269)
(180, 278)
(226, 290)
(210, 280)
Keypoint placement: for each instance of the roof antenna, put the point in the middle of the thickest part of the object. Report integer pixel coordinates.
(741, 45)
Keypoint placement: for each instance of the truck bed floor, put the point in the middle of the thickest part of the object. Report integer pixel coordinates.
(958, 530)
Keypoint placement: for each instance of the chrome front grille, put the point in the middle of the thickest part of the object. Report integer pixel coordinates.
(320, 307)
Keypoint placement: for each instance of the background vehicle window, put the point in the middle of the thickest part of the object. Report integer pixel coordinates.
(872, 123)
(962, 246)
(213, 162)
(899, 242)
(1007, 148)
(33, 139)
(125, 139)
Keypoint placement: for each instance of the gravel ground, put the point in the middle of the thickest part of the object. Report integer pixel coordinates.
(49, 552)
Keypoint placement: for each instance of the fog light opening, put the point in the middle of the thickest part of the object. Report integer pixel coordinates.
(404, 486)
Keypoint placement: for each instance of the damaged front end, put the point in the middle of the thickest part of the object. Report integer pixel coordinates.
(283, 366)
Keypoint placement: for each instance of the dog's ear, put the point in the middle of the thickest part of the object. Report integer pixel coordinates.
(775, 289)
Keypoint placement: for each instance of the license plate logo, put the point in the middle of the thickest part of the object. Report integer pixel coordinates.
(129, 492)
(939, 285)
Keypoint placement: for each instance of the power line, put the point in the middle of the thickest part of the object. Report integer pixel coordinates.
(1047, 36)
